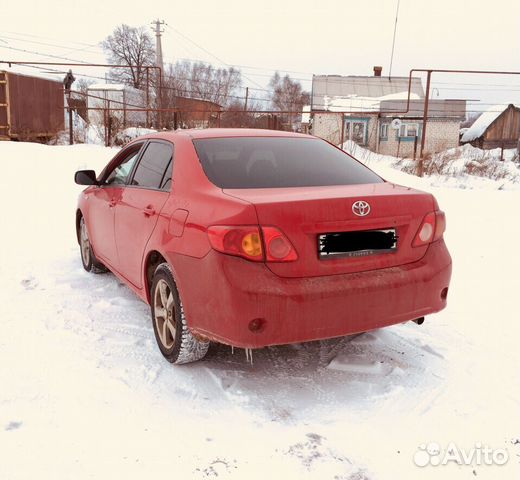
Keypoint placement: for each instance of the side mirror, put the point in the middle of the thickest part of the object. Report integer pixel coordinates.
(85, 177)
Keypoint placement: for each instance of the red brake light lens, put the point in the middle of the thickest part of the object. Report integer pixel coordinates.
(246, 241)
(440, 224)
(278, 248)
(242, 241)
(431, 229)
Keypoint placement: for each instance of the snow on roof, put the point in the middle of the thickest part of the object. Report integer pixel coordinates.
(107, 86)
(353, 103)
(362, 86)
(483, 122)
(30, 71)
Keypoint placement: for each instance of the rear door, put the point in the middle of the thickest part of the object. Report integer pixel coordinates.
(139, 206)
(103, 199)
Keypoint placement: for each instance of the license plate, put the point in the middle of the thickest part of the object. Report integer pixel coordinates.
(357, 244)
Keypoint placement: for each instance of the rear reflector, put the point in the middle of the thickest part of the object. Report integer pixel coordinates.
(278, 247)
(440, 224)
(247, 242)
(431, 229)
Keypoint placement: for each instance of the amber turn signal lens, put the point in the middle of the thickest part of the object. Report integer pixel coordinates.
(252, 245)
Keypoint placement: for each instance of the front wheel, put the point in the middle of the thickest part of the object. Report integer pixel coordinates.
(88, 259)
(176, 342)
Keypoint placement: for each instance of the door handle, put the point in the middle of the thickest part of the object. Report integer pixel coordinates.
(149, 211)
(112, 203)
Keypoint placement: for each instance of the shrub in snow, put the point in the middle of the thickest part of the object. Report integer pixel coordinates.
(460, 163)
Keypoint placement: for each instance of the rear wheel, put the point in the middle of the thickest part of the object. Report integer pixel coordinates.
(89, 260)
(173, 336)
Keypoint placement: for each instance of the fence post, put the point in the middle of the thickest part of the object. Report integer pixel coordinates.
(425, 118)
(342, 130)
(105, 126)
(147, 97)
(71, 131)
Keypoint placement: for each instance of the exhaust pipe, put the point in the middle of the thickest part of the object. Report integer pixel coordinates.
(419, 321)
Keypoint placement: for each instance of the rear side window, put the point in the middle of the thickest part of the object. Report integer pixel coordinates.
(276, 162)
(155, 167)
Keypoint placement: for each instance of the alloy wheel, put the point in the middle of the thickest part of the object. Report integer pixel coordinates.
(85, 243)
(164, 313)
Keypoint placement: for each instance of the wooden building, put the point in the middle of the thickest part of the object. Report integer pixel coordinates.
(31, 108)
(498, 127)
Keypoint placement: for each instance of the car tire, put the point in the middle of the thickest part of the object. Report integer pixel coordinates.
(174, 338)
(88, 259)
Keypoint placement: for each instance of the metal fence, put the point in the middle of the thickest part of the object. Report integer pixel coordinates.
(408, 126)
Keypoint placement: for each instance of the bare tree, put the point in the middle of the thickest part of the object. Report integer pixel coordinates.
(132, 47)
(287, 94)
(202, 81)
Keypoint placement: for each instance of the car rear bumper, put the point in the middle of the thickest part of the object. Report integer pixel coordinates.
(223, 294)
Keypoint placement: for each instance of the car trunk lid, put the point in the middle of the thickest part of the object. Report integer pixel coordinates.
(307, 214)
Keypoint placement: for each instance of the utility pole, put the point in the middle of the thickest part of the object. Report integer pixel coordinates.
(425, 119)
(158, 45)
(159, 63)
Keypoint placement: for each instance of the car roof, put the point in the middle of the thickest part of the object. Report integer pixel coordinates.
(224, 133)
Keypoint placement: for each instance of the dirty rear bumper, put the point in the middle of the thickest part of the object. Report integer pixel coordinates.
(223, 294)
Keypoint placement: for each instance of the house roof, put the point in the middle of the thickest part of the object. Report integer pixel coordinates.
(25, 72)
(365, 104)
(483, 122)
(360, 86)
(437, 108)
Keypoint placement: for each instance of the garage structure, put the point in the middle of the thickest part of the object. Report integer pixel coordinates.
(31, 108)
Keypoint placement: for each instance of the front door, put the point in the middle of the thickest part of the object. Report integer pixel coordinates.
(139, 207)
(103, 201)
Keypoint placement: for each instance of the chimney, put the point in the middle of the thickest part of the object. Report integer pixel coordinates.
(377, 71)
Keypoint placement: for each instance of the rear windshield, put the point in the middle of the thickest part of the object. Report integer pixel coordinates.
(276, 162)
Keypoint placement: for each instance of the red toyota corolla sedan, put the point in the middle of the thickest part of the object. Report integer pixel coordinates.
(256, 237)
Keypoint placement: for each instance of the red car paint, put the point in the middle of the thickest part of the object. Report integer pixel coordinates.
(251, 304)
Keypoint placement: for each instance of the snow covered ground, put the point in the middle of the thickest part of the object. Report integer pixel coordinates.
(85, 393)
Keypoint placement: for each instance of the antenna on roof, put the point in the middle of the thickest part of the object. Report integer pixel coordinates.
(393, 41)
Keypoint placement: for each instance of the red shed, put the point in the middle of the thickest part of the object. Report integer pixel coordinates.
(31, 108)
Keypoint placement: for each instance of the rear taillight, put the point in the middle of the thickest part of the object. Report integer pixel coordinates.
(242, 241)
(247, 242)
(278, 248)
(431, 229)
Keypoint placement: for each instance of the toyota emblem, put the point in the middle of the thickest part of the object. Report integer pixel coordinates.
(361, 208)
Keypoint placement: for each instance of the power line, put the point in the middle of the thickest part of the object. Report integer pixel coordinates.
(47, 44)
(209, 53)
(45, 38)
(44, 54)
